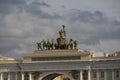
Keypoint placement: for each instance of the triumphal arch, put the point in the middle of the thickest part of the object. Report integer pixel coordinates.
(60, 59)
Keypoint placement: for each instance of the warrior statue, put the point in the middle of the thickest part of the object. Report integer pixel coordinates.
(39, 45)
(44, 44)
(71, 44)
(52, 44)
(56, 45)
(75, 44)
(62, 33)
(48, 44)
(66, 44)
(62, 39)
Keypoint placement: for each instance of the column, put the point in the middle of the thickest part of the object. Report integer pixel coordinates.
(16, 76)
(112, 74)
(8, 76)
(105, 74)
(119, 74)
(98, 75)
(1, 76)
(22, 76)
(81, 75)
(30, 76)
(89, 76)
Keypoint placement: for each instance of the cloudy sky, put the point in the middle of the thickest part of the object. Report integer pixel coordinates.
(95, 24)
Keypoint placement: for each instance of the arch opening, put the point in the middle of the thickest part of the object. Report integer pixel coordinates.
(56, 76)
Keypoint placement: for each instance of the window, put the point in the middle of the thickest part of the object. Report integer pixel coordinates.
(109, 74)
(94, 74)
(117, 74)
(102, 74)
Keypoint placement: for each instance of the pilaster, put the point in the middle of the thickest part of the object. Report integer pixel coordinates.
(98, 75)
(105, 74)
(81, 75)
(89, 74)
(16, 76)
(22, 75)
(30, 76)
(1, 76)
(119, 74)
(8, 76)
(113, 75)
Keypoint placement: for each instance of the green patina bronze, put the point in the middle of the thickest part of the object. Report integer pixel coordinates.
(60, 43)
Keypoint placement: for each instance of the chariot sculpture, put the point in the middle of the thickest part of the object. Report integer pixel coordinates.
(60, 43)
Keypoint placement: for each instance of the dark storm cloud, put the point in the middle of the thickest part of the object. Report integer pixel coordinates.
(11, 1)
(23, 24)
(11, 37)
(96, 17)
(34, 9)
(94, 26)
(7, 6)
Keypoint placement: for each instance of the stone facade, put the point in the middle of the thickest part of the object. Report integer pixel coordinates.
(50, 55)
(67, 64)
